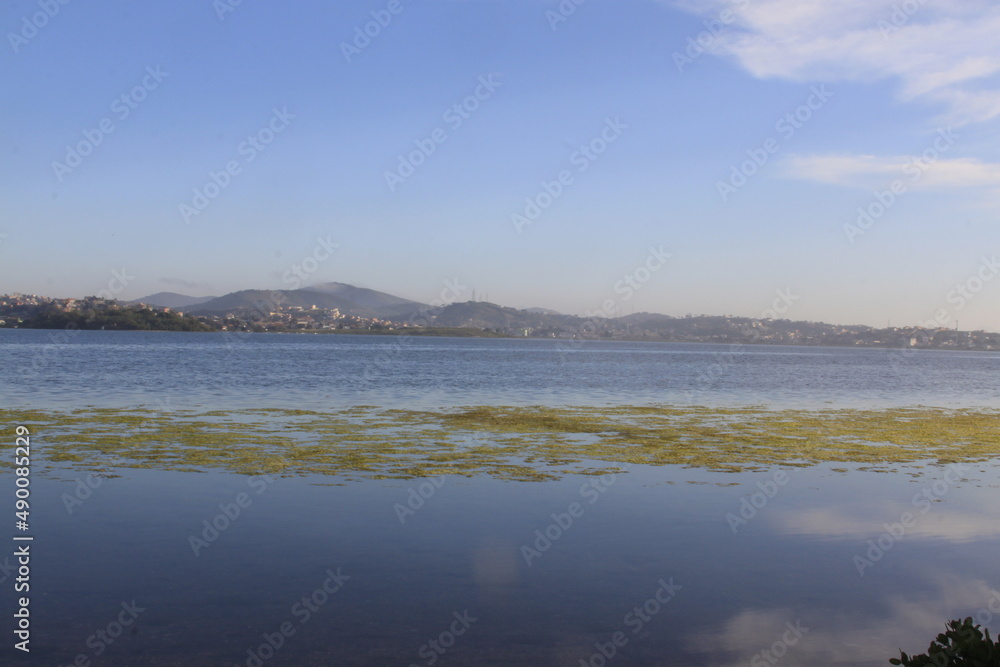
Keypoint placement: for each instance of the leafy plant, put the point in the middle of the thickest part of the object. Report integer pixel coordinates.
(963, 644)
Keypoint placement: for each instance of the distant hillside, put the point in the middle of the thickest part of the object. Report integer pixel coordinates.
(350, 300)
(171, 300)
(481, 315)
(691, 328)
(278, 310)
(113, 318)
(366, 298)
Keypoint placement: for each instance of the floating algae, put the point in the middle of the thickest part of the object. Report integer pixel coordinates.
(516, 443)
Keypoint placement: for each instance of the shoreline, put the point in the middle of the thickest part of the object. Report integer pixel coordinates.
(467, 332)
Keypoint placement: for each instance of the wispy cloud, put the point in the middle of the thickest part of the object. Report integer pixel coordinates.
(954, 525)
(866, 171)
(942, 52)
(839, 636)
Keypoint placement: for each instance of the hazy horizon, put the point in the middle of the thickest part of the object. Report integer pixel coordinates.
(714, 152)
(479, 298)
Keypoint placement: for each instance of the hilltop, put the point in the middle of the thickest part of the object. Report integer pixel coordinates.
(347, 299)
(170, 300)
(343, 308)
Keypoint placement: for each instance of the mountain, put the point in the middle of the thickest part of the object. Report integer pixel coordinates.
(171, 300)
(348, 299)
(267, 310)
(366, 298)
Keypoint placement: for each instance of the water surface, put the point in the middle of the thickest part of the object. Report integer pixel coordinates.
(316, 371)
(414, 553)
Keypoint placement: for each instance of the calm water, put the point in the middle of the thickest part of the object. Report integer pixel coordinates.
(314, 371)
(466, 551)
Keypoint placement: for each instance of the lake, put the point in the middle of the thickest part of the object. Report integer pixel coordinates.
(69, 369)
(832, 563)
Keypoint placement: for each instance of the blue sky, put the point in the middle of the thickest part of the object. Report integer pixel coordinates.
(746, 139)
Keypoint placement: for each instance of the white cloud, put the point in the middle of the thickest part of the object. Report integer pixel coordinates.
(944, 53)
(954, 525)
(867, 636)
(866, 171)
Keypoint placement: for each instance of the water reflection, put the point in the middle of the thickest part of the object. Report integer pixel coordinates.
(837, 636)
(598, 587)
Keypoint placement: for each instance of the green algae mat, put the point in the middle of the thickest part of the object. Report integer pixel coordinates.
(525, 443)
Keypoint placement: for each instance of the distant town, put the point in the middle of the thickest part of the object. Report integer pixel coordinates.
(39, 312)
(339, 308)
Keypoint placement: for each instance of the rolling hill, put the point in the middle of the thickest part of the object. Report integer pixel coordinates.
(171, 300)
(350, 300)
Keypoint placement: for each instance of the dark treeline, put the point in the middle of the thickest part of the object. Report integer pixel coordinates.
(124, 319)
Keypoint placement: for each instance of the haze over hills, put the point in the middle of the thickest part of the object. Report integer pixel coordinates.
(342, 308)
(483, 315)
(363, 297)
(364, 302)
(348, 299)
(171, 300)
(361, 302)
